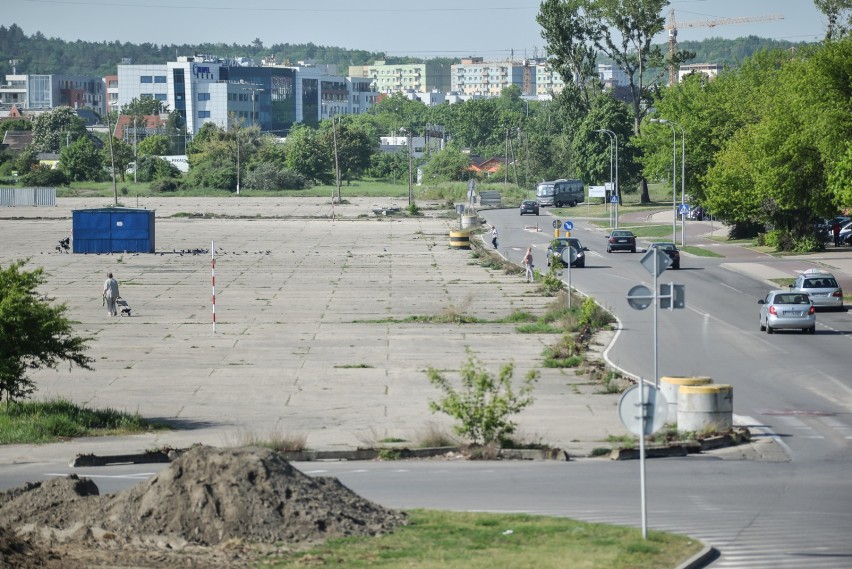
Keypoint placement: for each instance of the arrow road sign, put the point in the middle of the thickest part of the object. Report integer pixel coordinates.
(568, 225)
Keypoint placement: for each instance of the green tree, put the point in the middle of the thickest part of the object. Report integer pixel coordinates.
(154, 145)
(839, 15)
(623, 31)
(355, 147)
(82, 161)
(122, 156)
(33, 332)
(56, 129)
(448, 165)
(483, 404)
(307, 154)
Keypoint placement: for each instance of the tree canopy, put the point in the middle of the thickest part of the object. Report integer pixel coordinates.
(34, 333)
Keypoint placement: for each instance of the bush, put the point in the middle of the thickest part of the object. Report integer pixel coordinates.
(44, 176)
(268, 176)
(483, 404)
(166, 185)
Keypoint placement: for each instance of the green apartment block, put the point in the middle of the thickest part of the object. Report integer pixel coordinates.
(400, 78)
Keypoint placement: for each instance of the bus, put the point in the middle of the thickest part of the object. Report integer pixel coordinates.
(560, 193)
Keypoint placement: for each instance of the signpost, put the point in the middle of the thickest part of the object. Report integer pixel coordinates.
(652, 406)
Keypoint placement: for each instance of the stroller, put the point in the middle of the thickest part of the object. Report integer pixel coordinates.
(123, 308)
(64, 245)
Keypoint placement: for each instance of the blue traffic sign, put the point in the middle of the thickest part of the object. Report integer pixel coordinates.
(613, 199)
(568, 225)
(683, 209)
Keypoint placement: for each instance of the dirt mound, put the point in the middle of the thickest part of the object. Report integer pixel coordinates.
(206, 497)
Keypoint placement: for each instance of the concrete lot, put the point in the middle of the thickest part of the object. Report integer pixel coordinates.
(302, 343)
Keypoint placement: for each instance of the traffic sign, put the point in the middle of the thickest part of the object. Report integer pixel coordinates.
(556, 224)
(632, 416)
(639, 297)
(613, 199)
(663, 261)
(568, 225)
(683, 209)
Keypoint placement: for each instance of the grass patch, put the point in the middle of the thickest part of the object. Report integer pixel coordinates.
(37, 422)
(276, 439)
(650, 230)
(538, 328)
(448, 540)
(700, 251)
(784, 282)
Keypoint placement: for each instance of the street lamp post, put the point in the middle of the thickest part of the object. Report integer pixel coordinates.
(613, 140)
(674, 176)
(682, 174)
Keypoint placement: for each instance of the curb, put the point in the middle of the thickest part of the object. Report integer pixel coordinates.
(701, 559)
(163, 456)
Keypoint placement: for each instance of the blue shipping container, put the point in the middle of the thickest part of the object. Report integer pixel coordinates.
(113, 230)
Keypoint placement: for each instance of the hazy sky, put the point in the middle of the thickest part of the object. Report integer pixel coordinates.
(453, 28)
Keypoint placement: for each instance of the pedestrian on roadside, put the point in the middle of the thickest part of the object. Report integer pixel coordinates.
(494, 236)
(836, 230)
(528, 264)
(111, 294)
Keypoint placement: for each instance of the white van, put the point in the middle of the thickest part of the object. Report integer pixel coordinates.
(560, 193)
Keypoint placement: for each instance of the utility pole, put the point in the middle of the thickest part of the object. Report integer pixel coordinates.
(506, 162)
(110, 134)
(135, 155)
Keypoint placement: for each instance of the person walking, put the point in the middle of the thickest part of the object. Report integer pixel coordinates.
(494, 236)
(111, 294)
(528, 264)
(836, 230)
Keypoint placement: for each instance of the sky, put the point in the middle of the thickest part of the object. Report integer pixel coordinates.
(493, 29)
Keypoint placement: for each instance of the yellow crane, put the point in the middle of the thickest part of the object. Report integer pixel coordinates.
(673, 25)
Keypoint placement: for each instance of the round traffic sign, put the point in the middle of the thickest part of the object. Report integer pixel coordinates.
(630, 410)
(569, 255)
(568, 225)
(639, 297)
(556, 224)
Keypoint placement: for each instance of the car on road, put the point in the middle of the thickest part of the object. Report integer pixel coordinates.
(529, 206)
(669, 249)
(787, 310)
(696, 213)
(558, 245)
(621, 240)
(822, 287)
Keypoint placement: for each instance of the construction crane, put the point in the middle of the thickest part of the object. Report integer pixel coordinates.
(673, 25)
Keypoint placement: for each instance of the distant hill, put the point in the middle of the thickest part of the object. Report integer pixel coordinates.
(39, 54)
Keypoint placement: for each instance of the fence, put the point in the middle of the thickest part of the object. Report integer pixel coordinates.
(19, 197)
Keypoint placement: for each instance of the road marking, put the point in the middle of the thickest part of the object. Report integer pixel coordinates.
(139, 475)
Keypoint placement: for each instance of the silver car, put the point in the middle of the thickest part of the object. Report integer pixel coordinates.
(822, 287)
(787, 310)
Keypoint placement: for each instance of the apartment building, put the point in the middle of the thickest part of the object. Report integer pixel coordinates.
(474, 76)
(711, 70)
(404, 77)
(44, 92)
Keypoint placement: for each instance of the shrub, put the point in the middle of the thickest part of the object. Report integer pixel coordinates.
(482, 406)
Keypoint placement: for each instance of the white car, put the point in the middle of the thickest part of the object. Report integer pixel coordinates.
(787, 310)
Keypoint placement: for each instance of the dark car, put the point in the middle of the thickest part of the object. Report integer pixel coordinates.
(558, 245)
(621, 240)
(669, 249)
(529, 206)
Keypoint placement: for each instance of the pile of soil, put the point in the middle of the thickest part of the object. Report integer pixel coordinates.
(208, 498)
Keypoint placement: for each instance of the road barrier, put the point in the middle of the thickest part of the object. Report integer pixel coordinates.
(669, 387)
(460, 239)
(705, 407)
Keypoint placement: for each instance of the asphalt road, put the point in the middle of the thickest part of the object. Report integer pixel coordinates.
(792, 387)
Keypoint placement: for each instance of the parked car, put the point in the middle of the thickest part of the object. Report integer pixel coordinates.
(621, 240)
(669, 249)
(563, 242)
(822, 287)
(845, 233)
(787, 310)
(529, 206)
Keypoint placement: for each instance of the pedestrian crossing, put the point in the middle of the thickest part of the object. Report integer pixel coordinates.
(745, 539)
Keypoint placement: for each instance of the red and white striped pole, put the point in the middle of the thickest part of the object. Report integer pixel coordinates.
(213, 277)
